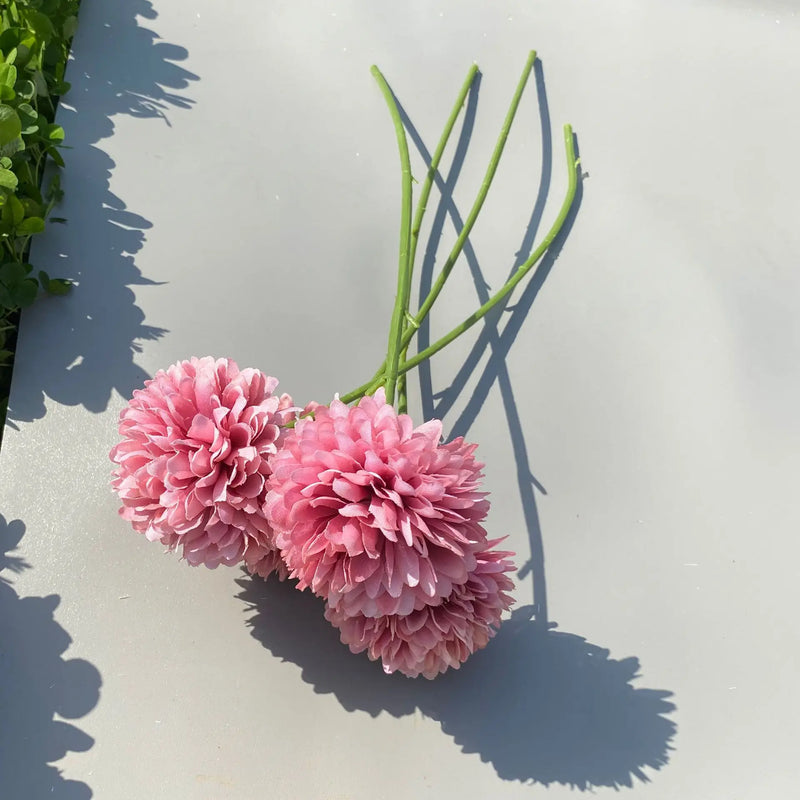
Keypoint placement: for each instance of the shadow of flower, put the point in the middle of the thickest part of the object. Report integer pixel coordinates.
(550, 707)
(537, 704)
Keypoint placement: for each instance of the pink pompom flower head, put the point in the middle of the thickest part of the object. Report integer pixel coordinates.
(436, 637)
(194, 459)
(373, 514)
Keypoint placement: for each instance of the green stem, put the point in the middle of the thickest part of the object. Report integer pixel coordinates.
(521, 272)
(422, 205)
(402, 389)
(477, 205)
(409, 330)
(403, 271)
(425, 192)
(523, 269)
(358, 393)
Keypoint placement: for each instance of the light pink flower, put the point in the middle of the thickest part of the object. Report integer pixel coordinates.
(194, 459)
(373, 514)
(435, 638)
(265, 561)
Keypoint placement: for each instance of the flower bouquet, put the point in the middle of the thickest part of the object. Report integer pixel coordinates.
(380, 518)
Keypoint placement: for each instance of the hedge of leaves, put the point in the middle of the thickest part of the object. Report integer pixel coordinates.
(35, 37)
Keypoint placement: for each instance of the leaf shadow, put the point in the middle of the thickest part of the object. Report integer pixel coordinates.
(40, 689)
(78, 349)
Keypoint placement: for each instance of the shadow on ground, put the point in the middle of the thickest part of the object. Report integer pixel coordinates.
(538, 705)
(39, 688)
(77, 350)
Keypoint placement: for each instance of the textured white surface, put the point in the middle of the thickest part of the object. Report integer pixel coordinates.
(233, 190)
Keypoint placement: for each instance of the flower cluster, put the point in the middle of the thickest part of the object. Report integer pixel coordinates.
(372, 514)
(379, 518)
(194, 459)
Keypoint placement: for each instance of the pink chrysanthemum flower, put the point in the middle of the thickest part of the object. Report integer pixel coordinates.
(194, 458)
(376, 516)
(265, 561)
(435, 638)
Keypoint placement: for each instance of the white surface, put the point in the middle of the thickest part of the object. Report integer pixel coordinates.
(233, 190)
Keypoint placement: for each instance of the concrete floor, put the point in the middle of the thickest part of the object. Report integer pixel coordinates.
(233, 189)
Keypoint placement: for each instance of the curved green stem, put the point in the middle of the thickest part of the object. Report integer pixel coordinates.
(476, 206)
(427, 185)
(422, 205)
(410, 329)
(402, 388)
(403, 271)
(356, 394)
(522, 271)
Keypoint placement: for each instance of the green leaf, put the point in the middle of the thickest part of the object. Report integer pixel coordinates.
(59, 286)
(12, 55)
(13, 273)
(25, 89)
(32, 208)
(6, 92)
(69, 27)
(6, 300)
(5, 162)
(10, 125)
(6, 356)
(8, 73)
(23, 55)
(56, 156)
(52, 57)
(15, 146)
(13, 212)
(24, 172)
(29, 126)
(8, 179)
(9, 39)
(25, 293)
(40, 83)
(30, 226)
(40, 24)
(44, 278)
(55, 133)
(30, 122)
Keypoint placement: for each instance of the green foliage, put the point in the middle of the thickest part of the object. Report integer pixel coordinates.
(35, 37)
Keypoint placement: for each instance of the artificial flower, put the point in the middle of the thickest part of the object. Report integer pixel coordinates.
(375, 515)
(435, 638)
(194, 458)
